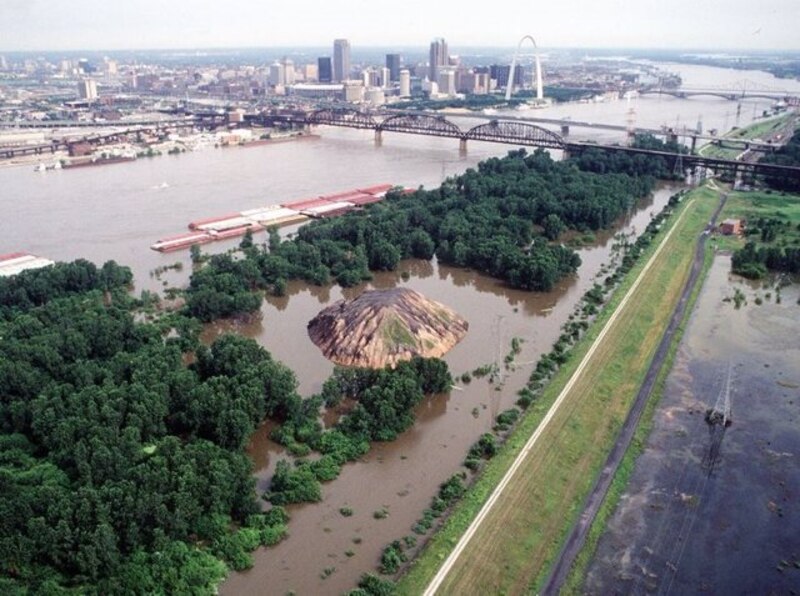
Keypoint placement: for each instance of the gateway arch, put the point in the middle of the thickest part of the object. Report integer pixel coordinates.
(510, 85)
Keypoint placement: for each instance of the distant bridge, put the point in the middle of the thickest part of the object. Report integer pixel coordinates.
(728, 94)
(566, 124)
(513, 132)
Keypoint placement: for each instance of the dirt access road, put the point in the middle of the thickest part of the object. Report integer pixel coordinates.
(577, 535)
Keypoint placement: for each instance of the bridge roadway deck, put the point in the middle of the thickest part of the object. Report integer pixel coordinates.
(437, 125)
(578, 124)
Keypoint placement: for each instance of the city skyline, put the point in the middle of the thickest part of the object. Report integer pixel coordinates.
(35, 25)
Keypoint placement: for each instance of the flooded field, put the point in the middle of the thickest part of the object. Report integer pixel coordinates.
(713, 509)
(402, 476)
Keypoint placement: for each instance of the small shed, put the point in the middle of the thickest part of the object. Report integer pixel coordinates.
(731, 227)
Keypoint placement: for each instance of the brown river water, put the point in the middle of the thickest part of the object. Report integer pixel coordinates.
(117, 211)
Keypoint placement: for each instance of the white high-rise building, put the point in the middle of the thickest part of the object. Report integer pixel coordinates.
(405, 83)
(386, 77)
(277, 74)
(447, 81)
(87, 89)
(288, 71)
(341, 60)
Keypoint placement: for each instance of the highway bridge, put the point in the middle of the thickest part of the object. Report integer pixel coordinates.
(565, 124)
(729, 94)
(514, 132)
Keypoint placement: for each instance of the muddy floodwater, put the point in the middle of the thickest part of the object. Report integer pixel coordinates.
(713, 510)
(403, 475)
(117, 211)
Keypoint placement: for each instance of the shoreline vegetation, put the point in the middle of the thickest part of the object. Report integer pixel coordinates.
(99, 409)
(529, 546)
(503, 219)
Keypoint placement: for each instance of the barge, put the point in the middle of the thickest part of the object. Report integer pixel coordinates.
(16, 262)
(239, 223)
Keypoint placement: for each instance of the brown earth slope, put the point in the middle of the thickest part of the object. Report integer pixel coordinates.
(384, 327)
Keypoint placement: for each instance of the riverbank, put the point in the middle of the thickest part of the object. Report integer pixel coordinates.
(518, 540)
(776, 130)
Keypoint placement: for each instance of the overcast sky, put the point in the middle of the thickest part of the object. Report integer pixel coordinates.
(142, 24)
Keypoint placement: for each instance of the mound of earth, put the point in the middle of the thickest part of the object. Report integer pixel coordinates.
(384, 327)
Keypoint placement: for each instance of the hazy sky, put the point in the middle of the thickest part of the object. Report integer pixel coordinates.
(139, 24)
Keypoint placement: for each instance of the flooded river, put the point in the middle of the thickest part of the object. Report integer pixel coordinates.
(707, 509)
(117, 211)
(402, 476)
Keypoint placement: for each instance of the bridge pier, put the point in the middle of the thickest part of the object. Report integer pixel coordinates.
(694, 144)
(462, 146)
(565, 129)
(378, 137)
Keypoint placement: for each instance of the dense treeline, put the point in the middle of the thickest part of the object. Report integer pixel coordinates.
(122, 469)
(385, 401)
(754, 261)
(116, 459)
(787, 155)
(500, 219)
(625, 255)
(603, 161)
(36, 286)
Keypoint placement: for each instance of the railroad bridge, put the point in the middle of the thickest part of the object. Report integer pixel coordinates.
(512, 132)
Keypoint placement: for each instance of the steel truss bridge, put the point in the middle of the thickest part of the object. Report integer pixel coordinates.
(723, 94)
(512, 133)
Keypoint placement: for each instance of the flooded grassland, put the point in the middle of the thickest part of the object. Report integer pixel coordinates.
(714, 509)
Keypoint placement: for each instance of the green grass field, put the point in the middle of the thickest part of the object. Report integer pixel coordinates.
(514, 548)
(750, 206)
(757, 130)
(762, 128)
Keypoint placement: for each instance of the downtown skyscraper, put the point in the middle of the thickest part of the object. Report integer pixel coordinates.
(439, 57)
(341, 60)
(393, 64)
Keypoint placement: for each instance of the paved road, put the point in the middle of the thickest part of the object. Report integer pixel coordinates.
(448, 564)
(594, 500)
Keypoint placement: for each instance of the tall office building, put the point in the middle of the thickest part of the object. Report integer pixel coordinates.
(325, 69)
(500, 72)
(439, 57)
(277, 74)
(393, 64)
(405, 83)
(288, 71)
(87, 89)
(447, 81)
(341, 60)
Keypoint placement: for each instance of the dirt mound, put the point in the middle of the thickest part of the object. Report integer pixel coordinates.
(381, 327)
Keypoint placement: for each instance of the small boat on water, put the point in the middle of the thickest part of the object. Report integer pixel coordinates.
(40, 168)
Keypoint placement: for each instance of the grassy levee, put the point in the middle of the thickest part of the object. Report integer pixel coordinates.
(518, 540)
(575, 579)
(753, 131)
